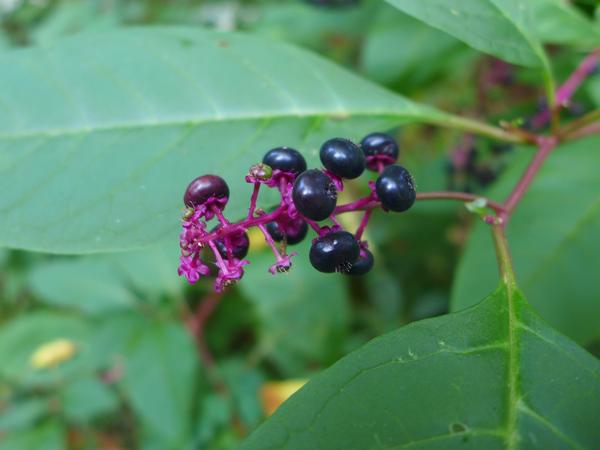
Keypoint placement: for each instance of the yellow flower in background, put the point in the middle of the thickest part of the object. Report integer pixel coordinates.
(53, 353)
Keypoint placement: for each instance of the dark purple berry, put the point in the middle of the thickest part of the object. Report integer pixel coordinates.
(379, 147)
(314, 195)
(285, 159)
(204, 187)
(342, 158)
(239, 243)
(363, 264)
(294, 233)
(334, 252)
(395, 188)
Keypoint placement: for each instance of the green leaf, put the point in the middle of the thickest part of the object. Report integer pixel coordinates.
(87, 399)
(492, 377)
(554, 241)
(559, 22)
(302, 314)
(99, 284)
(160, 379)
(116, 133)
(21, 337)
(424, 54)
(50, 435)
(22, 414)
(502, 28)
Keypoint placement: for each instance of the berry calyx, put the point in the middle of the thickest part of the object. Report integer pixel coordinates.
(205, 187)
(342, 158)
(314, 195)
(285, 159)
(395, 188)
(379, 148)
(238, 242)
(293, 232)
(334, 252)
(363, 264)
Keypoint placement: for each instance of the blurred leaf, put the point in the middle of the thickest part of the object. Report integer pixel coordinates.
(161, 375)
(486, 378)
(303, 314)
(49, 435)
(502, 28)
(20, 414)
(100, 284)
(91, 286)
(559, 22)
(215, 414)
(87, 399)
(554, 242)
(20, 338)
(244, 383)
(405, 52)
(123, 128)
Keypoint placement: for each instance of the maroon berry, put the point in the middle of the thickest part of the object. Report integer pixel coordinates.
(204, 187)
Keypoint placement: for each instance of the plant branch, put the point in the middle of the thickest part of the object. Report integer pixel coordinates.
(545, 146)
(503, 254)
(573, 129)
(481, 128)
(461, 197)
(585, 68)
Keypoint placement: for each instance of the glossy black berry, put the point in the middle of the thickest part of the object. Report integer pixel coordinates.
(294, 232)
(204, 187)
(239, 243)
(363, 264)
(285, 159)
(334, 252)
(314, 195)
(395, 188)
(382, 145)
(342, 158)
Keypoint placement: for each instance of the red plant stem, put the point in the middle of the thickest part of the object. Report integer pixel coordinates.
(253, 200)
(363, 224)
(545, 146)
(593, 128)
(196, 324)
(585, 68)
(459, 196)
(270, 242)
(568, 88)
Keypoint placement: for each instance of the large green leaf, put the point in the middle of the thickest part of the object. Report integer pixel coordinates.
(100, 134)
(499, 27)
(554, 239)
(492, 377)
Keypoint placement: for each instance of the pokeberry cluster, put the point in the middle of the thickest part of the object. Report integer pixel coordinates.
(308, 196)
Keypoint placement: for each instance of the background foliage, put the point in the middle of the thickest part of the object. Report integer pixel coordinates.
(108, 111)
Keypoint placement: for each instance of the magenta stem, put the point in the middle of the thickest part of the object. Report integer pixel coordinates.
(568, 88)
(253, 200)
(270, 242)
(585, 68)
(363, 224)
(314, 225)
(220, 261)
(362, 204)
(545, 146)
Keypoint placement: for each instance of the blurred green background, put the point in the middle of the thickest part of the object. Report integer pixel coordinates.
(140, 360)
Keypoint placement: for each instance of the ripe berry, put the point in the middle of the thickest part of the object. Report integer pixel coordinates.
(395, 188)
(342, 158)
(314, 195)
(285, 159)
(204, 187)
(379, 145)
(294, 233)
(334, 252)
(239, 243)
(363, 264)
